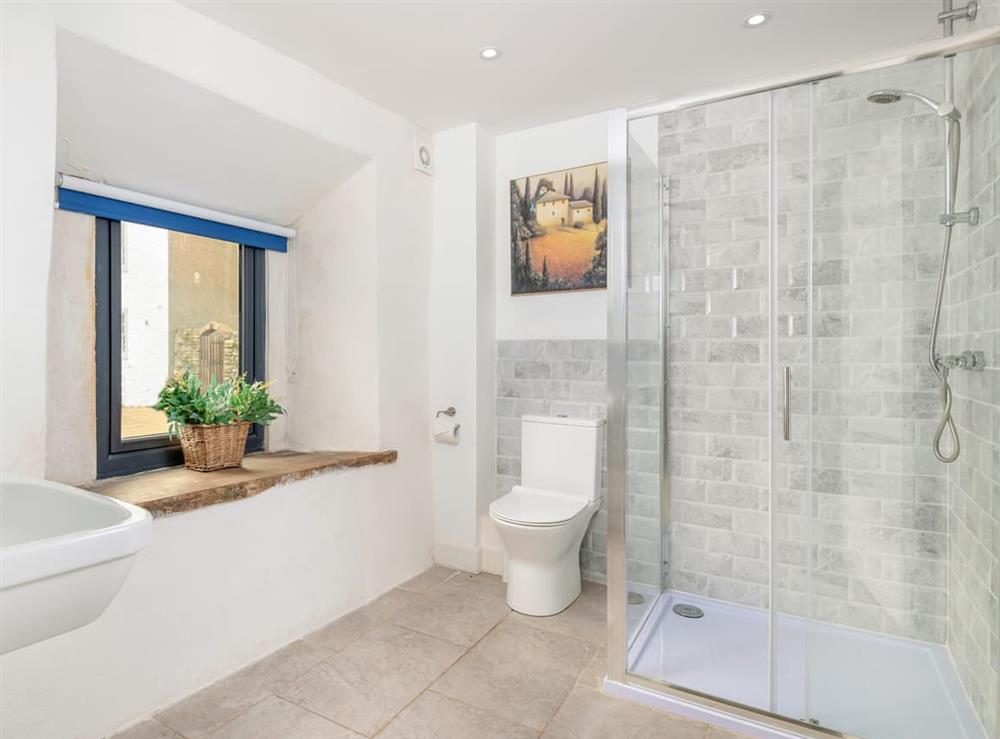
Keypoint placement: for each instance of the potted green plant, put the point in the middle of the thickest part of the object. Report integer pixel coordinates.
(213, 420)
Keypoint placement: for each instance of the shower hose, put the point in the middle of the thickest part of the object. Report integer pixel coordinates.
(941, 369)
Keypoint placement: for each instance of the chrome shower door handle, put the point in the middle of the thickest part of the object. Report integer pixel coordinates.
(786, 413)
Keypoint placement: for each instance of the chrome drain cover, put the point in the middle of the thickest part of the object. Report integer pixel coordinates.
(688, 611)
(636, 599)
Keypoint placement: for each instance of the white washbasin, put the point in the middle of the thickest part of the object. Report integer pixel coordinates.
(64, 554)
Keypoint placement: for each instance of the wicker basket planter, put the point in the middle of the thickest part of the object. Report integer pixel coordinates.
(209, 448)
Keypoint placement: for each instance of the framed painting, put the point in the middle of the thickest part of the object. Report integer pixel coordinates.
(558, 231)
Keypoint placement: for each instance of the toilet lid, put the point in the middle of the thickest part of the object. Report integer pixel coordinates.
(533, 507)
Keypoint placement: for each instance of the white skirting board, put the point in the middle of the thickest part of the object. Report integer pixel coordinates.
(457, 558)
(491, 560)
(491, 551)
(488, 557)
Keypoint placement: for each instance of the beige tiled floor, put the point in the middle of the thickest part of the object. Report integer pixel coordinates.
(440, 657)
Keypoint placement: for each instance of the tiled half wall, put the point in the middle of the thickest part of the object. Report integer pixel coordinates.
(570, 377)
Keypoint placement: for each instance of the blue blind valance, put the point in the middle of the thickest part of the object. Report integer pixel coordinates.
(119, 210)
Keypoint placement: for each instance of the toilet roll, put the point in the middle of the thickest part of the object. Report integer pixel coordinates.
(446, 431)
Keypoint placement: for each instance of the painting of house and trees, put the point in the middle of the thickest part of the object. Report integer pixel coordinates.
(558, 231)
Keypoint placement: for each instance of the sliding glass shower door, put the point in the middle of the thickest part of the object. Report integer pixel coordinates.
(877, 525)
(819, 561)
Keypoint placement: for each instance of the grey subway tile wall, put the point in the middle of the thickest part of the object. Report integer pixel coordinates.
(714, 161)
(972, 316)
(569, 377)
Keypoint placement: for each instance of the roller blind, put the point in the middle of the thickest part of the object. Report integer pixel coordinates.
(123, 210)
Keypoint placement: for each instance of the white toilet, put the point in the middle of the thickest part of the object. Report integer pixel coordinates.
(542, 521)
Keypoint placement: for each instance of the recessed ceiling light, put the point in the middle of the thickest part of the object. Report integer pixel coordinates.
(756, 19)
(489, 53)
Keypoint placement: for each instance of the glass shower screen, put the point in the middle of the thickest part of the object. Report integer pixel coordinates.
(818, 561)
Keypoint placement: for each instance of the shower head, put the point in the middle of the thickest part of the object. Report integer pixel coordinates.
(889, 95)
(884, 97)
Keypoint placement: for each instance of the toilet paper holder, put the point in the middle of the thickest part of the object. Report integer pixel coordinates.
(446, 432)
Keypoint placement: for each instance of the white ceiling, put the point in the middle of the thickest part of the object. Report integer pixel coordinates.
(130, 125)
(561, 58)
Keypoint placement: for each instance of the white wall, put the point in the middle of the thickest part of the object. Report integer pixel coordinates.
(214, 590)
(575, 315)
(486, 320)
(452, 349)
(332, 357)
(254, 76)
(27, 149)
(374, 308)
(461, 338)
(220, 587)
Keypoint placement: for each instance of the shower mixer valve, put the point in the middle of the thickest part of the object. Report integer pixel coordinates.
(968, 360)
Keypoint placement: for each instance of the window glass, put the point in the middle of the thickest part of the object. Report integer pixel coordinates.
(180, 310)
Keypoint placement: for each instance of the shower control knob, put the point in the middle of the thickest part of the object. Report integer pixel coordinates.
(973, 360)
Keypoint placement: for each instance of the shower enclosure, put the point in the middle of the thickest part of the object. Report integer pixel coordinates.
(827, 484)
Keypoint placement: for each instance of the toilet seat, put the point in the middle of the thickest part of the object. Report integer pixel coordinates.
(537, 508)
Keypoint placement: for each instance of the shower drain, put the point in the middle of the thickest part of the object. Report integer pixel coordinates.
(688, 611)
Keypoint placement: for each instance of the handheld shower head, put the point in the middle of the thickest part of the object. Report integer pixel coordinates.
(889, 95)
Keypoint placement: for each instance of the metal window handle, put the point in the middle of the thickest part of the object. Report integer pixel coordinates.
(786, 420)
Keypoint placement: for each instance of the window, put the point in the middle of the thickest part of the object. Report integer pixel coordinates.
(167, 302)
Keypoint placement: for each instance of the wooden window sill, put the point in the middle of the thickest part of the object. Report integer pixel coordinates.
(176, 490)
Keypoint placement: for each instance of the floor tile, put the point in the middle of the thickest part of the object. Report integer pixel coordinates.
(354, 625)
(434, 716)
(484, 583)
(585, 618)
(518, 672)
(274, 718)
(461, 610)
(200, 714)
(428, 579)
(148, 729)
(588, 714)
(369, 681)
(595, 671)
(370, 672)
